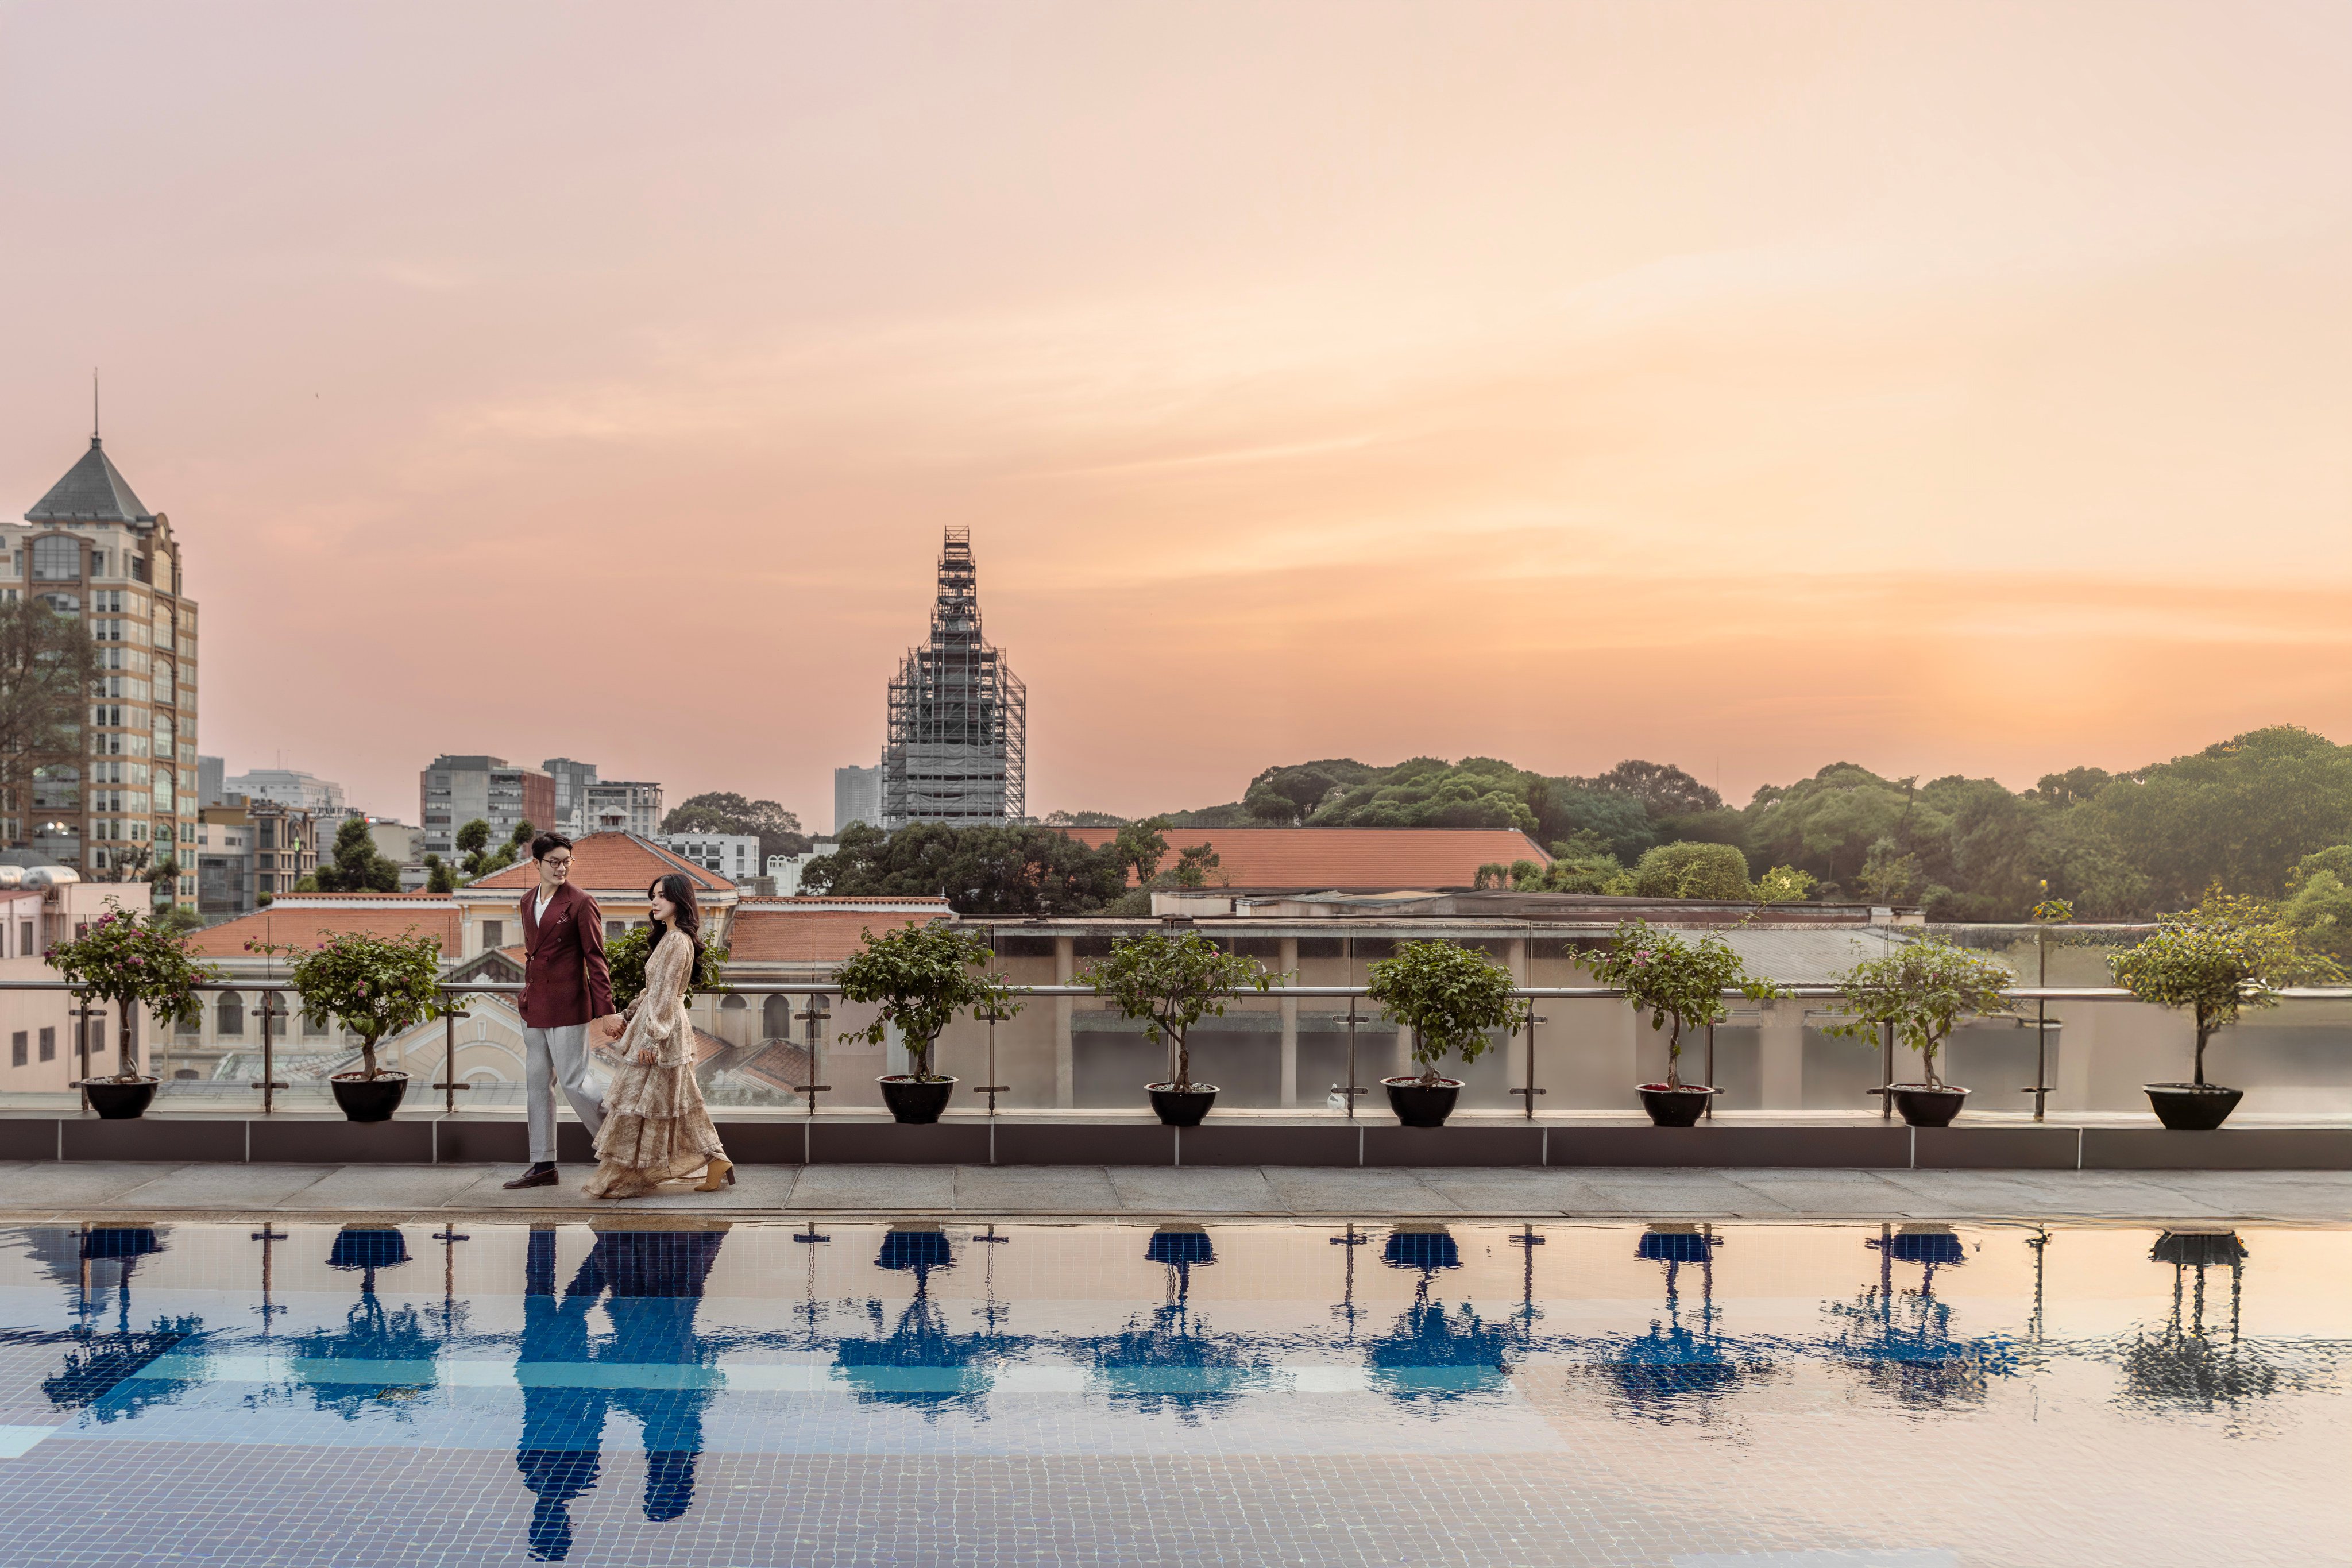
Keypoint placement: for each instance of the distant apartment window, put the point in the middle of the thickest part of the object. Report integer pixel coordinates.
(229, 1017)
(19, 1051)
(57, 559)
(494, 933)
(48, 1045)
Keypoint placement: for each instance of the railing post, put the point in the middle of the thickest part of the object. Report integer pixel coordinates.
(449, 1086)
(1886, 1073)
(1530, 1090)
(813, 1017)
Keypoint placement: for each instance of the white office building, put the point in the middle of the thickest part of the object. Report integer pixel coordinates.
(734, 856)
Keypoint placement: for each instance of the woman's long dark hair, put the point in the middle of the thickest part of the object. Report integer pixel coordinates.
(686, 916)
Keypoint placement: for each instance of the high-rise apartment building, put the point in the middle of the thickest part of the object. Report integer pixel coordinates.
(456, 790)
(857, 797)
(572, 782)
(622, 805)
(959, 735)
(124, 795)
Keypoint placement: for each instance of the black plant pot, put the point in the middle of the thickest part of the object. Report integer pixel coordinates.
(115, 1101)
(1925, 1107)
(1180, 1107)
(365, 1098)
(1419, 1104)
(915, 1101)
(2191, 1107)
(1676, 1106)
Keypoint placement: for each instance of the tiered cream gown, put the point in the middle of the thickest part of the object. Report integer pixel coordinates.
(656, 1128)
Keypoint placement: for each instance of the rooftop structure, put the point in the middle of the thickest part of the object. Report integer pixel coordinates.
(958, 737)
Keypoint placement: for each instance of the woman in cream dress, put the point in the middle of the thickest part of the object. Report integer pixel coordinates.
(655, 1128)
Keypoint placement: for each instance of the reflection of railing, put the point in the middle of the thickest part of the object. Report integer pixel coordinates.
(815, 1015)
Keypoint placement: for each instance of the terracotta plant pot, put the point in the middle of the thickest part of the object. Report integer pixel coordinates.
(914, 1101)
(1180, 1107)
(365, 1098)
(1678, 1107)
(1419, 1104)
(115, 1101)
(2192, 1107)
(1925, 1107)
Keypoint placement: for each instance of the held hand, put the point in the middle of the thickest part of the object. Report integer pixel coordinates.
(610, 1028)
(645, 1058)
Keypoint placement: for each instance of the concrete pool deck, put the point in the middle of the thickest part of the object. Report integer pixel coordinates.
(122, 1191)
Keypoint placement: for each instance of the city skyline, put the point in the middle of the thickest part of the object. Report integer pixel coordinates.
(1555, 386)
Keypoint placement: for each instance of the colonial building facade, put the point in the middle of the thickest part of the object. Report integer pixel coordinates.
(124, 798)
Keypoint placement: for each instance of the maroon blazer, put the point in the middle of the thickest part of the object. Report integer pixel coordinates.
(565, 978)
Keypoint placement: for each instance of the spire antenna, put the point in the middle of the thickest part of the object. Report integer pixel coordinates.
(93, 403)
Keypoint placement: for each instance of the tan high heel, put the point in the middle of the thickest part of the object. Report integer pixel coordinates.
(718, 1172)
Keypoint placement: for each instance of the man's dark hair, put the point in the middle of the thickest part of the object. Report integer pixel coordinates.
(547, 841)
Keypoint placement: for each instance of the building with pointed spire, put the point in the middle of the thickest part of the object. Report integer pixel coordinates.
(126, 797)
(959, 735)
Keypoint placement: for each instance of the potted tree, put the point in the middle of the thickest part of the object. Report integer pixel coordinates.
(137, 965)
(1171, 983)
(921, 976)
(2214, 962)
(1450, 997)
(375, 987)
(1923, 993)
(1680, 984)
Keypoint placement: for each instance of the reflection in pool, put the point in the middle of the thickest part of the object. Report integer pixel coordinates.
(1419, 1392)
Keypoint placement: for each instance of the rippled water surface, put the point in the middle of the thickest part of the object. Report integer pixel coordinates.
(1771, 1396)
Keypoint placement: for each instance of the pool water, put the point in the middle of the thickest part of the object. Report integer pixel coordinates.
(1684, 1396)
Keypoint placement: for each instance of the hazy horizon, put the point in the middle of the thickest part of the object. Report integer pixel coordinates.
(1943, 388)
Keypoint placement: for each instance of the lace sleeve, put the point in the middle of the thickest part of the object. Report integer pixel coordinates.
(665, 986)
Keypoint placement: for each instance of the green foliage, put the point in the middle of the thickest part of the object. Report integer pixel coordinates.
(374, 986)
(1194, 865)
(2216, 961)
(1679, 981)
(1172, 982)
(439, 877)
(1784, 885)
(1924, 990)
(1427, 792)
(2241, 813)
(778, 830)
(1084, 819)
(1140, 846)
(134, 962)
(1027, 871)
(178, 919)
(1450, 996)
(625, 961)
(2054, 912)
(2319, 906)
(923, 976)
(357, 868)
(474, 837)
(1692, 871)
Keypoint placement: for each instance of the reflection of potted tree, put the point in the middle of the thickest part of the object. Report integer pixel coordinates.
(1171, 983)
(375, 986)
(922, 976)
(1922, 991)
(137, 965)
(1681, 984)
(1670, 1366)
(1451, 997)
(917, 1361)
(2181, 1365)
(1902, 1341)
(103, 1370)
(2214, 962)
(1173, 1360)
(370, 1335)
(1431, 1354)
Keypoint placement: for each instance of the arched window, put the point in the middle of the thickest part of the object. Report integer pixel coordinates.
(776, 1018)
(192, 1025)
(229, 1017)
(56, 558)
(734, 1004)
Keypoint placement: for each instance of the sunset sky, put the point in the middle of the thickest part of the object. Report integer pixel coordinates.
(1957, 387)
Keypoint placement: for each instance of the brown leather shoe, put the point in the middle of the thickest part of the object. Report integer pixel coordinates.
(536, 1176)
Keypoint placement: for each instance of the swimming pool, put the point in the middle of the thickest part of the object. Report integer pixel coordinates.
(857, 1394)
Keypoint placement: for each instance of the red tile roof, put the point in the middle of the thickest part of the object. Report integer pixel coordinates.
(609, 863)
(1324, 859)
(300, 921)
(766, 933)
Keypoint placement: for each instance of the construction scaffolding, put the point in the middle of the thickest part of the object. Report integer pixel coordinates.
(959, 741)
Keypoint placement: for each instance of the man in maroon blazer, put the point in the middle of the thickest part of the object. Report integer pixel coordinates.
(566, 987)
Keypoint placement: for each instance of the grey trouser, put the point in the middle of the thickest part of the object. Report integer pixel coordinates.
(554, 1059)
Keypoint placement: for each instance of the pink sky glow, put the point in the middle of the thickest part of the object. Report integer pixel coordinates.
(1959, 387)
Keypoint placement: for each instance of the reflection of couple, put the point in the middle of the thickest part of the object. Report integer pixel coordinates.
(651, 1126)
(656, 1280)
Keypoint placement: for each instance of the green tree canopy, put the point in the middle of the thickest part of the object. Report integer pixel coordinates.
(2241, 813)
(357, 868)
(922, 976)
(1025, 871)
(723, 811)
(1692, 871)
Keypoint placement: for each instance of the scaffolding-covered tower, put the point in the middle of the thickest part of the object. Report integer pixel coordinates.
(958, 750)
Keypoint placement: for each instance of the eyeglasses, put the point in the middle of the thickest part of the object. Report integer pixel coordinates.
(558, 862)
